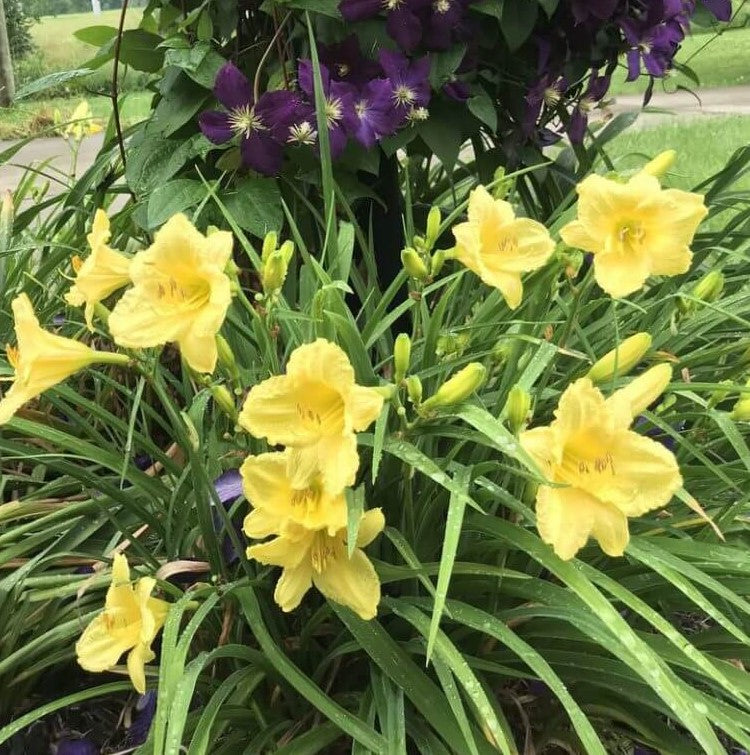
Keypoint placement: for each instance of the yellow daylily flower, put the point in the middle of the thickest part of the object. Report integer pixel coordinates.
(82, 123)
(102, 273)
(42, 359)
(498, 246)
(606, 472)
(180, 293)
(315, 408)
(634, 229)
(315, 557)
(268, 487)
(131, 619)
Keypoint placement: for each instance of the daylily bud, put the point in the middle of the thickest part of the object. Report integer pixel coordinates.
(269, 245)
(386, 391)
(646, 388)
(433, 226)
(720, 394)
(286, 250)
(192, 433)
(224, 401)
(6, 222)
(621, 360)
(517, 408)
(274, 272)
(502, 187)
(436, 262)
(458, 388)
(414, 265)
(419, 242)
(709, 287)
(401, 356)
(226, 356)
(414, 389)
(530, 490)
(660, 164)
(741, 410)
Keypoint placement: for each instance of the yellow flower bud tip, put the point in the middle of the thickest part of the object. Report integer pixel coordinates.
(433, 225)
(401, 356)
(224, 401)
(709, 287)
(621, 359)
(517, 408)
(269, 245)
(6, 212)
(287, 251)
(458, 388)
(640, 393)
(741, 410)
(660, 164)
(274, 272)
(414, 264)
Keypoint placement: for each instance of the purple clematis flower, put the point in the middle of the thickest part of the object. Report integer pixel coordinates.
(372, 116)
(345, 62)
(409, 80)
(655, 37)
(145, 709)
(402, 20)
(457, 90)
(444, 19)
(261, 126)
(547, 90)
(77, 747)
(598, 10)
(228, 488)
(338, 105)
(721, 9)
(579, 118)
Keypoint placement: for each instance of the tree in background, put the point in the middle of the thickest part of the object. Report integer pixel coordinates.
(19, 22)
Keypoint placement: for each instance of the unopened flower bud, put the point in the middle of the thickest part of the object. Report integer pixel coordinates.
(709, 287)
(226, 357)
(741, 410)
(274, 272)
(646, 388)
(502, 185)
(192, 433)
(458, 388)
(414, 264)
(6, 222)
(436, 262)
(620, 360)
(501, 353)
(224, 401)
(517, 408)
(269, 245)
(660, 164)
(433, 226)
(286, 250)
(720, 394)
(401, 356)
(414, 389)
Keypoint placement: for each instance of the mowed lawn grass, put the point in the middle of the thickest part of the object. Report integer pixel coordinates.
(54, 36)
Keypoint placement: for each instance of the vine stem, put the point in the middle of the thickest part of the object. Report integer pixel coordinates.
(262, 62)
(115, 72)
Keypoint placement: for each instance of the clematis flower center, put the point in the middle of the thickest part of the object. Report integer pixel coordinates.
(441, 6)
(342, 69)
(333, 111)
(302, 133)
(404, 95)
(243, 121)
(392, 4)
(360, 108)
(417, 114)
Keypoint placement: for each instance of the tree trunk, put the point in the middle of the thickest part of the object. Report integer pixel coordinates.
(7, 82)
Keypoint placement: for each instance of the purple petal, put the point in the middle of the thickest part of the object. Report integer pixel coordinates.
(722, 9)
(346, 63)
(307, 80)
(228, 485)
(337, 139)
(145, 709)
(634, 65)
(577, 126)
(358, 10)
(404, 28)
(215, 126)
(457, 90)
(278, 110)
(232, 89)
(262, 152)
(393, 63)
(77, 747)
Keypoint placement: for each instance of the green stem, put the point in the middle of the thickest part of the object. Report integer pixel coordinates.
(109, 357)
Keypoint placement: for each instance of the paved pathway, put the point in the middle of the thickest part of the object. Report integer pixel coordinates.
(720, 101)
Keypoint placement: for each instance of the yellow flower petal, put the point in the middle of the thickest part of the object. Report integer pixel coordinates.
(363, 407)
(575, 234)
(468, 246)
(567, 517)
(640, 393)
(370, 526)
(620, 272)
(281, 551)
(321, 362)
(138, 657)
(334, 459)
(97, 649)
(180, 293)
(260, 523)
(42, 359)
(292, 586)
(351, 582)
